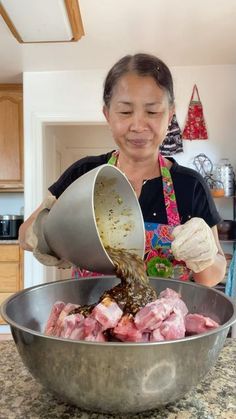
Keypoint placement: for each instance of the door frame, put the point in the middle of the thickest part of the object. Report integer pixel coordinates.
(34, 177)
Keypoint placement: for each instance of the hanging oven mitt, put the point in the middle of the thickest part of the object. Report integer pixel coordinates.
(34, 238)
(194, 243)
(195, 126)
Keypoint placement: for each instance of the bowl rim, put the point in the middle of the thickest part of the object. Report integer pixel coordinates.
(13, 324)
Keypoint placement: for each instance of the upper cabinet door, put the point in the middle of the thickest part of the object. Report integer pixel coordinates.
(11, 137)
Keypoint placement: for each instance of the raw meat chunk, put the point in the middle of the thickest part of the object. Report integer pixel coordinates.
(196, 323)
(151, 316)
(107, 313)
(53, 317)
(126, 330)
(174, 326)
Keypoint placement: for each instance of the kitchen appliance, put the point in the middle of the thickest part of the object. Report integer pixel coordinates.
(9, 226)
(114, 376)
(224, 172)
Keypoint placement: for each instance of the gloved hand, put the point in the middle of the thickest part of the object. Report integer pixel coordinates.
(30, 236)
(194, 244)
(33, 238)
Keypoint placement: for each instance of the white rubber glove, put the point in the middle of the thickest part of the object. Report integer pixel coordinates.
(194, 243)
(32, 236)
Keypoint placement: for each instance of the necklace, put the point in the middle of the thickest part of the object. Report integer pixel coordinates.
(135, 188)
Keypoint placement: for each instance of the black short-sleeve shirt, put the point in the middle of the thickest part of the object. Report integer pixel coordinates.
(192, 193)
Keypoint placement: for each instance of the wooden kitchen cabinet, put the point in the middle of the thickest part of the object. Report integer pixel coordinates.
(11, 271)
(11, 137)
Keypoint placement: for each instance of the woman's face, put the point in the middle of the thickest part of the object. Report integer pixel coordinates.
(138, 115)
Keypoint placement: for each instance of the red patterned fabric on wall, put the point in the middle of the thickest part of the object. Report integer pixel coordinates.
(195, 126)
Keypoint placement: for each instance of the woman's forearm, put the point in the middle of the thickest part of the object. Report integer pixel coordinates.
(23, 240)
(213, 274)
(23, 229)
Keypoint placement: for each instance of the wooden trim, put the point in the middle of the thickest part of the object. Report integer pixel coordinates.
(9, 23)
(16, 100)
(11, 86)
(21, 267)
(3, 297)
(73, 11)
(13, 92)
(9, 187)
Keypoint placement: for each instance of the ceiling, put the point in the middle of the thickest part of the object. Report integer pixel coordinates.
(181, 32)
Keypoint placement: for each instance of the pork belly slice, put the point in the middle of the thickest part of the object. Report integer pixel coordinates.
(126, 331)
(152, 315)
(77, 327)
(173, 295)
(59, 324)
(169, 293)
(180, 306)
(53, 317)
(107, 313)
(156, 336)
(174, 326)
(73, 327)
(93, 330)
(197, 323)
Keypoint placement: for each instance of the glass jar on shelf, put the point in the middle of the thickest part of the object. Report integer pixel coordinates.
(217, 189)
(216, 186)
(224, 173)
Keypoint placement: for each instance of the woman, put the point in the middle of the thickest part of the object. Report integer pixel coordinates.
(138, 106)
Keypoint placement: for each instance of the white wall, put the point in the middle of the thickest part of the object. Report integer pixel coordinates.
(11, 203)
(217, 89)
(80, 94)
(76, 97)
(53, 97)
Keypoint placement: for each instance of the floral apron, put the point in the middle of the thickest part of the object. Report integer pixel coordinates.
(158, 256)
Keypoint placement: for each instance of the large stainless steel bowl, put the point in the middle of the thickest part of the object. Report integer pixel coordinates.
(97, 210)
(115, 377)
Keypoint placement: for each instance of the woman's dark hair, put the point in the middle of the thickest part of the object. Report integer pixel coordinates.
(143, 65)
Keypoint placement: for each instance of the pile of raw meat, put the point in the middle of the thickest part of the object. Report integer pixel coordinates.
(165, 318)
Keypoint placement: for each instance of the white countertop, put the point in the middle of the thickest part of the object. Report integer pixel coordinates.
(9, 241)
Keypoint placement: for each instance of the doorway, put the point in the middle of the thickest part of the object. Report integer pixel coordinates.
(62, 146)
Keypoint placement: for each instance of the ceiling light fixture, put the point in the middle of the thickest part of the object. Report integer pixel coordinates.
(43, 21)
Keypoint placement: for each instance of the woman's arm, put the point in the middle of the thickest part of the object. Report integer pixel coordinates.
(216, 272)
(24, 227)
(47, 203)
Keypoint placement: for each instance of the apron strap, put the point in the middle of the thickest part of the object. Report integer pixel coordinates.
(169, 194)
(113, 159)
(195, 90)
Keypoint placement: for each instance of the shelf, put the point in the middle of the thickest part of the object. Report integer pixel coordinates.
(226, 197)
(228, 241)
(8, 190)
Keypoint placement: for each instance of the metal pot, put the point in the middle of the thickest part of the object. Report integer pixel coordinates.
(113, 376)
(97, 210)
(9, 226)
